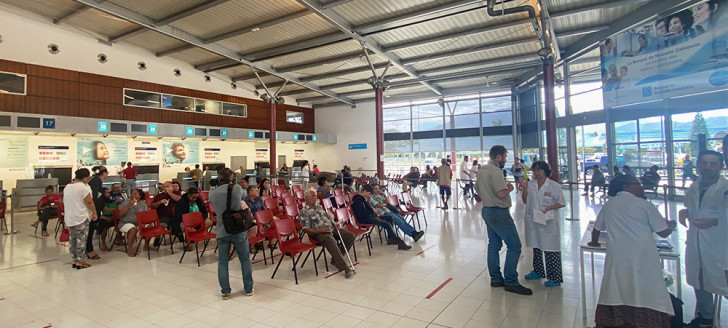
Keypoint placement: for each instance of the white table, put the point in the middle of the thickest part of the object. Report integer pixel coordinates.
(665, 254)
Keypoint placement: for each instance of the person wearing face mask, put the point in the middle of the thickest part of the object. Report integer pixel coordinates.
(543, 198)
(495, 194)
(706, 259)
(633, 292)
(79, 211)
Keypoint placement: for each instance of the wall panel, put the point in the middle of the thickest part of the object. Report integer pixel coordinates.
(51, 73)
(108, 81)
(47, 87)
(139, 85)
(100, 93)
(51, 106)
(142, 114)
(11, 66)
(101, 110)
(12, 103)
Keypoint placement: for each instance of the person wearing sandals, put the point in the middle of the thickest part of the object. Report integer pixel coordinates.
(128, 223)
(543, 198)
(79, 211)
(47, 208)
(96, 185)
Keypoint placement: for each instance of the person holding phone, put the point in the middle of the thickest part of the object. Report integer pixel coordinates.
(128, 224)
(47, 208)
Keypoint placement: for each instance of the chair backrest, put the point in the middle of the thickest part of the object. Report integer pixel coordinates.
(150, 200)
(349, 197)
(205, 196)
(340, 201)
(281, 182)
(291, 210)
(286, 228)
(326, 203)
(192, 220)
(299, 194)
(288, 200)
(296, 188)
(117, 217)
(263, 218)
(406, 198)
(342, 215)
(266, 197)
(271, 204)
(338, 192)
(147, 220)
(392, 200)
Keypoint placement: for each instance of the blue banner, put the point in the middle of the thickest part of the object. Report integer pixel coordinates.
(358, 146)
(681, 54)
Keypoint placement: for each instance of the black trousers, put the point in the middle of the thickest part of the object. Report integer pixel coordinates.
(553, 265)
(46, 215)
(96, 226)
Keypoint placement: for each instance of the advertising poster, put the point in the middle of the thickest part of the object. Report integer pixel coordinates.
(53, 154)
(212, 155)
(681, 54)
(13, 151)
(181, 152)
(145, 153)
(104, 151)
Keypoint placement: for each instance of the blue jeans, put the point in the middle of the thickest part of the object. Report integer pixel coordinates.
(501, 228)
(240, 241)
(401, 223)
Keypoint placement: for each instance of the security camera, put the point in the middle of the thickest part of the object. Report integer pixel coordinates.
(54, 48)
(142, 65)
(103, 58)
(177, 72)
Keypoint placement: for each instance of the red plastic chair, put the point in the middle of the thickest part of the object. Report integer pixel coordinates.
(340, 201)
(264, 220)
(293, 246)
(150, 227)
(407, 200)
(326, 204)
(349, 197)
(289, 200)
(300, 199)
(195, 221)
(338, 192)
(272, 205)
(393, 201)
(266, 197)
(213, 215)
(342, 215)
(117, 217)
(205, 196)
(3, 207)
(61, 223)
(296, 188)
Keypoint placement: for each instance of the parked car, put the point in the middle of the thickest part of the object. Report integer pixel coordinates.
(603, 162)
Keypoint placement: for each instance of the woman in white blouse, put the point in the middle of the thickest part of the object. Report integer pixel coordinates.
(543, 198)
(633, 291)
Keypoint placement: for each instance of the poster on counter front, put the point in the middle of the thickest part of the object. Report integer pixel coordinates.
(212, 155)
(92, 151)
(13, 151)
(53, 154)
(681, 54)
(181, 152)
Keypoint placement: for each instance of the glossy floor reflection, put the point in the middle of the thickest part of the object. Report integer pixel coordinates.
(442, 281)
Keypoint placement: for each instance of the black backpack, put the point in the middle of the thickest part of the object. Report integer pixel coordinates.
(236, 221)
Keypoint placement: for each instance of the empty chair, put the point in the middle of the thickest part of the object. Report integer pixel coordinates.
(338, 191)
(150, 227)
(292, 246)
(407, 202)
(204, 195)
(195, 221)
(340, 201)
(326, 204)
(289, 200)
(272, 205)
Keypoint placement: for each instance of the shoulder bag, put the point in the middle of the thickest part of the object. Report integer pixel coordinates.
(236, 221)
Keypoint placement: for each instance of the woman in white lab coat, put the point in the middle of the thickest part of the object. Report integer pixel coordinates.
(543, 198)
(633, 291)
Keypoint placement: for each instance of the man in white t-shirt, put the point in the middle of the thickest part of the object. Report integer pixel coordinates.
(79, 210)
(465, 175)
(517, 171)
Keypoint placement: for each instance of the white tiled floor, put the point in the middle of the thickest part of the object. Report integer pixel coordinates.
(38, 288)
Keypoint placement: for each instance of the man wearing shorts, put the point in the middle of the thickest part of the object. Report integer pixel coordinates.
(517, 170)
(444, 180)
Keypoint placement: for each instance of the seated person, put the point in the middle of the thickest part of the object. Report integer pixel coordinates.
(364, 213)
(189, 203)
(164, 203)
(597, 180)
(319, 226)
(106, 220)
(412, 178)
(244, 184)
(116, 195)
(254, 202)
(324, 191)
(128, 223)
(651, 178)
(316, 171)
(378, 200)
(47, 208)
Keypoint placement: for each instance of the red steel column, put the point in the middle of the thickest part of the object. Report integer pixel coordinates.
(552, 147)
(272, 140)
(379, 114)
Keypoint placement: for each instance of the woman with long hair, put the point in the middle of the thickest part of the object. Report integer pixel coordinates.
(264, 188)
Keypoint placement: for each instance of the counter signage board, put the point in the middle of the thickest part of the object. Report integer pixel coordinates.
(49, 123)
(298, 153)
(261, 153)
(211, 155)
(223, 133)
(53, 154)
(145, 154)
(358, 146)
(103, 126)
(13, 151)
(152, 129)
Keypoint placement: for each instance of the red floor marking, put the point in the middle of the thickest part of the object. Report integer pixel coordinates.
(20, 266)
(48, 326)
(2, 299)
(438, 288)
(337, 272)
(61, 244)
(261, 260)
(424, 250)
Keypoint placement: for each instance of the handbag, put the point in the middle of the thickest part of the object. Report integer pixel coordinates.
(236, 221)
(64, 235)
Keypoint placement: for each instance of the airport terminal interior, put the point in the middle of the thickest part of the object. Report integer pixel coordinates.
(412, 98)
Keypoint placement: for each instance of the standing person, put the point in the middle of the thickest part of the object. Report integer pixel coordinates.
(525, 169)
(517, 171)
(120, 172)
(495, 193)
(725, 149)
(106, 220)
(706, 261)
(688, 169)
(130, 174)
(306, 174)
(218, 200)
(97, 194)
(633, 292)
(196, 175)
(543, 198)
(319, 226)
(47, 207)
(79, 211)
(465, 175)
(444, 180)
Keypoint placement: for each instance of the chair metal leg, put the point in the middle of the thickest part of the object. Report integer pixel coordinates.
(197, 252)
(138, 244)
(184, 251)
(276, 270)
(306, 258)
(353, 246)
(315, 266)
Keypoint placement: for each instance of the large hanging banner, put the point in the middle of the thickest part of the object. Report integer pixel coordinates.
(13, 151)
(104, 151)
(181, 152)
(681, 54)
